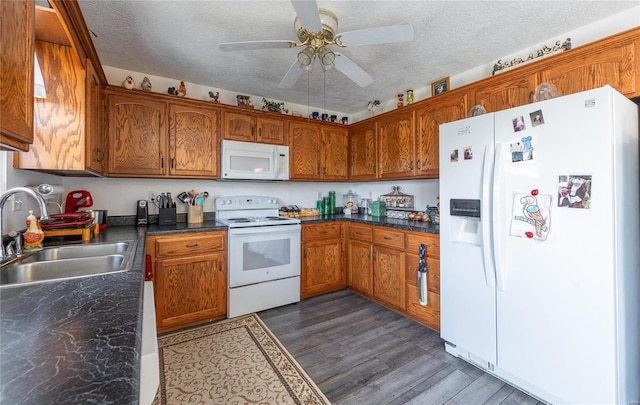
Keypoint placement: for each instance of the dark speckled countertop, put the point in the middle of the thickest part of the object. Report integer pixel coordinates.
(78, 341)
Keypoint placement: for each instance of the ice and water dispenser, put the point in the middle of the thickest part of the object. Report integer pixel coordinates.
(465, 221)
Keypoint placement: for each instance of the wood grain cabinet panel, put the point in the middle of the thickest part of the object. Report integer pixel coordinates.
(389, 272)
(445, 108)
(615, 65)
(323, 259)
(137, 136)
(17, 28)
(360, 267)
(193, 141)
(189, 278)
(428, 315)
(396, 145)
(304, 151)
(96, 140)
(501, 93)
(362, 151)
(335, 152)
(271, 130)
(239, 126)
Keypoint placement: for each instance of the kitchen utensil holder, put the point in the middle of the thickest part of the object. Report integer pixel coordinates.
(167, 216)
(195, 214)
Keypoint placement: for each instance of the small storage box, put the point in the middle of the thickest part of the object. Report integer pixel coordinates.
(378, 209)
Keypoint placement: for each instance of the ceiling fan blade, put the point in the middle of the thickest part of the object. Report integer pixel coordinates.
(292, 76)
(308, 15)
(250, 45)
(352, 71)
(377, 35)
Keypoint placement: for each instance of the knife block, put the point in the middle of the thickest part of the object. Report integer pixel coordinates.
(167, 216)
(195, 214)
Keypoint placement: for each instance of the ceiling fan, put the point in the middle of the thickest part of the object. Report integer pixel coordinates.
(316, 31)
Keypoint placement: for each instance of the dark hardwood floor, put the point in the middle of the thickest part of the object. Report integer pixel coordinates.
(359, 352)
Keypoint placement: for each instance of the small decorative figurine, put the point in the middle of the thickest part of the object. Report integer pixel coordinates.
(146, 84)
(400, 100)
(243, 101)
(214, 97)
(182, 90)
(409, 97)
(128, 83)
(33, 236)
(373, 106)
(172, 91)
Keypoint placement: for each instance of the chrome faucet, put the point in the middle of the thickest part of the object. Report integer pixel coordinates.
(42, 204)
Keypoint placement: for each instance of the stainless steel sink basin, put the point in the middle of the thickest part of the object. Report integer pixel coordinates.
(78, 251)
(68, 262)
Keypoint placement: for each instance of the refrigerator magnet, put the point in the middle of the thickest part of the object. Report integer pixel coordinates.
(531, 217)
(536, 118)
(522, 151)
(454, 155)
(468, 154)
(574, 191)
(518, 124)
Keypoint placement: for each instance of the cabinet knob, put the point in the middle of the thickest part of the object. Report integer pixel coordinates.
(418, 164)
(101, 153)
(192, 245)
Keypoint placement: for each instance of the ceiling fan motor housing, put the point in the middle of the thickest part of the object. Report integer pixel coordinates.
(329, 22)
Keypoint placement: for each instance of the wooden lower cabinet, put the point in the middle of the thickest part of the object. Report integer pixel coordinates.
(428, 315)
(383, 266)
(190, 278)
(323, 259)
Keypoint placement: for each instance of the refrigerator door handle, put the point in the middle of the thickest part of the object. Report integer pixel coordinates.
(499, 214)
(487, 177)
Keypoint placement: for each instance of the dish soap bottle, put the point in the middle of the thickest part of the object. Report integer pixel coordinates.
(33, 236)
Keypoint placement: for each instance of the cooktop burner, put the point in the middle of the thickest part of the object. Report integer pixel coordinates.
(254, 211)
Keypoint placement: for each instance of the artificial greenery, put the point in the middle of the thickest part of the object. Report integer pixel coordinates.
(273, 106)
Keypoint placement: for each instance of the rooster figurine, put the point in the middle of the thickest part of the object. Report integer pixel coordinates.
(182, 90)
(146, 84)
(128, 83)
(214, 97)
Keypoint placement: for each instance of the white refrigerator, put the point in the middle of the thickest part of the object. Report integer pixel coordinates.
(540, 242)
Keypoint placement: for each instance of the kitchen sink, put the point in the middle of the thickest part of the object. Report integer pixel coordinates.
(78, 251)
(68, 262)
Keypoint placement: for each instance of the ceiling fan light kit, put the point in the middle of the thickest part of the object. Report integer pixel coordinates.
(316, 30)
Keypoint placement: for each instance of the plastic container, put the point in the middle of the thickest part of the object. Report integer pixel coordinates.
(378, 208)
(332, 202)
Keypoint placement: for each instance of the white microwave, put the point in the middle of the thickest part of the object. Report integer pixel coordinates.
(254, 161)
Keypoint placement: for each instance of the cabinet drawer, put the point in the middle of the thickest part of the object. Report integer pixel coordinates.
(428, 315)
(321, 231)
(361, 232)
(389, 238)
(433, 272)
(432, 241)
(191, 244)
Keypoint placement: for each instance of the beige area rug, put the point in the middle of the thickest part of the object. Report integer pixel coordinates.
(235, 361)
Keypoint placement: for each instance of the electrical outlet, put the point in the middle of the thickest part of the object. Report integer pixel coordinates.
(152, 195)
(17, 204)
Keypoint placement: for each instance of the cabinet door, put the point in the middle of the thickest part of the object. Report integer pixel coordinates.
(137, 136)
(239, 126)
(96, 148)
(189, 290)
(445, 108)
(304, 151)
(335, 149)
(429, 315)
(613, 65)
(396, 154)
(513, 91)
(359, 267)
(59, 124)
(193, 140)
(362, 151)
(322, 267)
(389, 276)
(17, 25)
(271, 130)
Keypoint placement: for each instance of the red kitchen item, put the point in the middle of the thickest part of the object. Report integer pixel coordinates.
(77, 199)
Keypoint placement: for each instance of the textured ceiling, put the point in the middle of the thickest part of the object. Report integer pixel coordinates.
(179, 40)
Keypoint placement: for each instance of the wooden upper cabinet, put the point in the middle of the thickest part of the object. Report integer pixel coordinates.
(17, 28)
(443, 109)
(271, 130)
(362, 151)
(304, 151)
(396, 146)
(615, 65)
(137, 135)
(501, 93)
(193, 141)
(335, 150)
(96, 140)
(239, 126)
(60, 126)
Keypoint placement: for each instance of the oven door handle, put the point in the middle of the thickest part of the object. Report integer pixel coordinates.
(272, 229)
